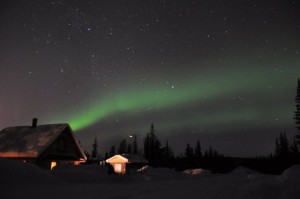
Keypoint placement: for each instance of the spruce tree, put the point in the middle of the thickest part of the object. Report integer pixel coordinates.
(129, 149)
(189, 153)
(95, 149)
(282, 146)
(152, 147)
(106, 156)
(167, 152)
(294, 148)
(297, 113)
(122, 147)
(112, 151)
(198, 153)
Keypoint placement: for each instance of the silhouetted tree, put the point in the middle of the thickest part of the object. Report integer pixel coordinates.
(122, 147)
(189, 152)
(297, 113)
(282, 146)
(211, 153)
(167, 152)
(106, 156)
(112, 151)
(152, 147)
(129, 149)
(95, 149)
(294, 147)
(198, 152)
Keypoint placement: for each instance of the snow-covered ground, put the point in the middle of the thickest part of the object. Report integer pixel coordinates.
(21, 180)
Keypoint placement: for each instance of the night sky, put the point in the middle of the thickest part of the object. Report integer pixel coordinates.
(223, 72)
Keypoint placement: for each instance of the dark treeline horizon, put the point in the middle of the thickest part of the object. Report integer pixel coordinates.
(285, 154)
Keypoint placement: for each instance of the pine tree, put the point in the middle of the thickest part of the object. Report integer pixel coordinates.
(212, 153)
(112, 151)
(277, 147)
(152, 147)
(198, 153)
(297, 113)
(189, 153)
(167, 151)
(106, 156)
(95, 149)
(282, 146)
(129, 149)
(294, 148)
(122, 147)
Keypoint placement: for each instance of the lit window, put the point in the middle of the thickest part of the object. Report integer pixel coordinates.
(53, 164)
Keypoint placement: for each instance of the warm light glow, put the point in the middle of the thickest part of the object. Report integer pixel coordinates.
(118, 168)
(53, 164)
(16, 154)
(77, 162)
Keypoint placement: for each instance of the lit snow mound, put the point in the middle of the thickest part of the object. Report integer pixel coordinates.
(196, 171)
(14, 172)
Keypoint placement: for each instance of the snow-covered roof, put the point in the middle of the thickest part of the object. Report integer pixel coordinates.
(30, 142)
(127, 158)
(117, 159)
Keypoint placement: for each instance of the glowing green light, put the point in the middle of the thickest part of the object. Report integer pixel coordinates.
(162, 96)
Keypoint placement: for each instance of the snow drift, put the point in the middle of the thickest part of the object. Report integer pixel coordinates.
(20, 180)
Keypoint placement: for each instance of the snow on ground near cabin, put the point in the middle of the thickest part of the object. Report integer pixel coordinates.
(22, 180)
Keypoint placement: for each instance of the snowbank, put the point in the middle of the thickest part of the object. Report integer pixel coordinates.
(92, 181)
(14, 172)
(81, 174)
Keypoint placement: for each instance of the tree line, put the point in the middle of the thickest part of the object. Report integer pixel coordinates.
(286, 152)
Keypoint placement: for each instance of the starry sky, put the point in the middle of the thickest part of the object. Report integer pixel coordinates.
(223, 72)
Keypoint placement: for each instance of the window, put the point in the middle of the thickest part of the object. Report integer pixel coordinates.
(53, 164)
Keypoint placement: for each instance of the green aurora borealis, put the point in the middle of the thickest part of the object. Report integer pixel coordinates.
(223, 72)
(201, 92)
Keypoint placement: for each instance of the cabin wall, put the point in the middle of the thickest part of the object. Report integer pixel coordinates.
(119, 168)
(63, 151)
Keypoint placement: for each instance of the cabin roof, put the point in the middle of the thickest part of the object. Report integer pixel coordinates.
(31, 142)
(117, 159)
(127, 158)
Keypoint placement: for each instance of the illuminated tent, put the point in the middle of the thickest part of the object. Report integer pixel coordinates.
(126, 163)
(44, 145)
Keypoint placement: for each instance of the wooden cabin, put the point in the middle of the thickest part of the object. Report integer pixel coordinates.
(118, 162)
(127, 163)
(44, 145)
